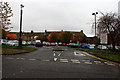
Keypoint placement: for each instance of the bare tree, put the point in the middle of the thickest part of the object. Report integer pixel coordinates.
(5, 14)
(110, 23)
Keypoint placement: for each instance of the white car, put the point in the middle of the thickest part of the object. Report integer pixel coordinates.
(3, 41)
(12, 43)
(24, 43)
(102, 47)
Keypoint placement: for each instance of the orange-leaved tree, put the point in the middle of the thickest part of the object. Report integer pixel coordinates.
(12, 36)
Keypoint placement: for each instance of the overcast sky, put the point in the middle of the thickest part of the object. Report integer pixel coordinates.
(75, 15)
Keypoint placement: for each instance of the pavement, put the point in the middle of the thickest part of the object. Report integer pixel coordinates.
(46, 63)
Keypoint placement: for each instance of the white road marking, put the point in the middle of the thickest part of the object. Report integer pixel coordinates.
(54, 54)
(80, 54)
(59, 54)
(32, 59)
(75, 61)
(45, 60)
(109, 63)
(22, 58)
(55, 59)
(63, 60)
(88, 62)
(17, 58)
(98, 62)
(74, 53)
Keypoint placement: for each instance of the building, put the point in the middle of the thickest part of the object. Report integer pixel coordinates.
(77, 36)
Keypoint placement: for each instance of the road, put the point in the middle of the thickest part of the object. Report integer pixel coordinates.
(46, 63)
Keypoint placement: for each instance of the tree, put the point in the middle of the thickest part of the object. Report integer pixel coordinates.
(12, 36)
(5, 14)
(110, 23)
(66, 36)
(4, 33)
(53, 37)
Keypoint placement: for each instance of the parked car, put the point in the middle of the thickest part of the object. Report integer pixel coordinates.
(53, 44)
(46, 43)
(102, 47)
(38, 44)
(117, 47)
(64, 44)
(88, 46)
(3, 42)
(13, 43)
(28, 42)
(38, 41)
(33, 43)
(74, 45)
(60, 43)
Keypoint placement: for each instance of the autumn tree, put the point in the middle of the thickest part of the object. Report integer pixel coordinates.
(66, 36)
(110, 23)
(53, 37)
(5, 14)
(12, 36)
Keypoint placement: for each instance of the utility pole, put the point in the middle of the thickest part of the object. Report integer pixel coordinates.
(20, 33)
(95, 21)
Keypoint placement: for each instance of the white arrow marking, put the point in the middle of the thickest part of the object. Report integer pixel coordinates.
(55, 59)
(59, 54)
(54, 54)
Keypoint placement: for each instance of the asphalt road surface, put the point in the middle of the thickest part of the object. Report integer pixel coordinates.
(46, 63)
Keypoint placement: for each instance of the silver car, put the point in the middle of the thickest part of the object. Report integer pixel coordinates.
(12, 43)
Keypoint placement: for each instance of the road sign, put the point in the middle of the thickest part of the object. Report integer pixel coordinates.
(103, 38)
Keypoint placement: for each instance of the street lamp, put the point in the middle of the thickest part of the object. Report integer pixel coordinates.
(20, 36)
(95, 20)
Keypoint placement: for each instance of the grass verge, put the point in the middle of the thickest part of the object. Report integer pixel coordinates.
(12, 50)
(109, 55)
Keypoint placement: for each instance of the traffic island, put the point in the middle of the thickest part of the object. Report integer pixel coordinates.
(13, 50)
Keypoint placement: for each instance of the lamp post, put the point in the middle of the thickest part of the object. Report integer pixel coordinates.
(20, 33)
(95, 20)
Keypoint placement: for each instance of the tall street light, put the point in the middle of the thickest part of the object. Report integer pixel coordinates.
(95, 20)
(20, 34)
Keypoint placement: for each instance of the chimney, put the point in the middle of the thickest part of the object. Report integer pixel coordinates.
(82, 31)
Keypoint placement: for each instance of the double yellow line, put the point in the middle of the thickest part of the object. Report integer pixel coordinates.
(102, 59)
